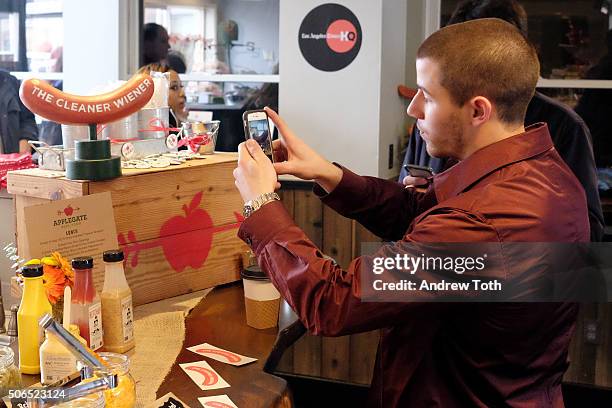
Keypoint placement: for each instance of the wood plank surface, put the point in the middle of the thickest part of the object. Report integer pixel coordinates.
(153, 278)
(43, 184)
(220, 320)
(145, 203)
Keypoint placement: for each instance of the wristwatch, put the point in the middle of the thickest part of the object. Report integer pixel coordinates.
(253, 205)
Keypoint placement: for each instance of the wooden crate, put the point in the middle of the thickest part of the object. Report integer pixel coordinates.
(176, 225)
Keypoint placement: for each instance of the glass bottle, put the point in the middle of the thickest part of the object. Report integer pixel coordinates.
(124, 394)
(117, 309)
(86, 309)
(10, 378)
(34, 304)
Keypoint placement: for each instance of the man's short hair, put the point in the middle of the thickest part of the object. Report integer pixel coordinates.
(508, 10)
(151, 31)
(486, 57)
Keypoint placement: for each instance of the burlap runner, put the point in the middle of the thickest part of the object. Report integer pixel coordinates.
(159, 329)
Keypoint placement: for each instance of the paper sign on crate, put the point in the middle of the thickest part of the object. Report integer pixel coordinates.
(82, 226)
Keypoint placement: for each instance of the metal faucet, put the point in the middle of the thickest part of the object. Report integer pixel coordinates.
(84, 354)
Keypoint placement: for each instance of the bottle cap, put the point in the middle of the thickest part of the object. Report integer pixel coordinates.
(85, 262)
(32, 271)
(114, 255)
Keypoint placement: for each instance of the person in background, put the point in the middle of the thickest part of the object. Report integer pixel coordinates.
(17, 123)
(595, 106)
(176, 93)
(155, 44)
(569, 132)
(176, 61)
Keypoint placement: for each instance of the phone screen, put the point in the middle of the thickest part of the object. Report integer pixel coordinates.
(259, 130)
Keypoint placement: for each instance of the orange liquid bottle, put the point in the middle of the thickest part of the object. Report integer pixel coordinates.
(86, 308)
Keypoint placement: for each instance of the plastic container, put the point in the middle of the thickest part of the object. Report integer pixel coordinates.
(34, 305)
(56, 361)
(70, 133)
(117, 309)
(86, 309)
(153, 123)
(124, 395)
(9, 373)
(122, 130)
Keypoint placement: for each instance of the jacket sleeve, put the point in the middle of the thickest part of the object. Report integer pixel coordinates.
(384, 207)
(28, 130)
(326, 297)
(577, 152)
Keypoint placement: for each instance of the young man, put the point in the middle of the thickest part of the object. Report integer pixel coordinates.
(568, 131)
(475, 80)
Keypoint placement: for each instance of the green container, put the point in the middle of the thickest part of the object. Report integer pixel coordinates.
(93, 161)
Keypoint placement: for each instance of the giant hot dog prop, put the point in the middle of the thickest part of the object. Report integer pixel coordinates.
(52, 104)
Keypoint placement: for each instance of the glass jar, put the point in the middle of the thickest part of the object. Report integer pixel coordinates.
(9, 373)
(124, 394)
(95, 400)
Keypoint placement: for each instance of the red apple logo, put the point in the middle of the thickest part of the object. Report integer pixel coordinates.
(68, 211)
(195, 233)
(195, 236)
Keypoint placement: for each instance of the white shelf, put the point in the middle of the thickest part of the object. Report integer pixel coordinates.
(20, 75)
(575, 83)
(202, 76)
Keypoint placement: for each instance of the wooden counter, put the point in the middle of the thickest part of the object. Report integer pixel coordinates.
(220, 320)
(177, 225)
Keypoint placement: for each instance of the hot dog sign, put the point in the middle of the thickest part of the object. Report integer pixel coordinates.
(52, 104)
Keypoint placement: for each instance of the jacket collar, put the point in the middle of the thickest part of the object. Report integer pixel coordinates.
(534, 141)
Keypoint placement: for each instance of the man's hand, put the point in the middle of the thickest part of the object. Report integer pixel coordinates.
(254, 175)
(24, 147)
(410, 181)
(295, 157)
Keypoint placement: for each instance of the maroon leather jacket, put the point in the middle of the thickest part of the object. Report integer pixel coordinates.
(443, 354)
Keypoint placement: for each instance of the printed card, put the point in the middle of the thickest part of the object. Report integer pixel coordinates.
(204, 376)
(168, 401)
(218, 401)
(219, 354)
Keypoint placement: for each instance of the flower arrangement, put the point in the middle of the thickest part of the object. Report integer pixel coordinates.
(57, 274)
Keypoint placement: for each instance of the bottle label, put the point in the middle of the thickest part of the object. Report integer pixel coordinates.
(95, 326)
(128, 319)
(56, 367)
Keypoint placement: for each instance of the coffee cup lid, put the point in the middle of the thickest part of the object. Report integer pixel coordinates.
(253, 272)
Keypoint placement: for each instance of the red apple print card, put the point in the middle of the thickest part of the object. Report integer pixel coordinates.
(219, 354)
(217, 401)
(204, 376)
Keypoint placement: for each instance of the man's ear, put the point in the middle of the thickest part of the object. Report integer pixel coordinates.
(481, 110)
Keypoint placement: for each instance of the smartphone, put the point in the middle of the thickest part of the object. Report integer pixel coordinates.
(257, 127)
(419, 171)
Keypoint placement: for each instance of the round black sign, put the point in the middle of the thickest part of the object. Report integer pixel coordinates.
(330, 37)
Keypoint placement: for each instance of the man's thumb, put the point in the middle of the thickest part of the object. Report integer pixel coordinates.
(255, 150)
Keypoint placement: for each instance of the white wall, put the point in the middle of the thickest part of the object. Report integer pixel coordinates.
(91, 44)
(352, 115)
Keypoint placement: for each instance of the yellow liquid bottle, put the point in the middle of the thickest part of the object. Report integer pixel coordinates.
(34, 305)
